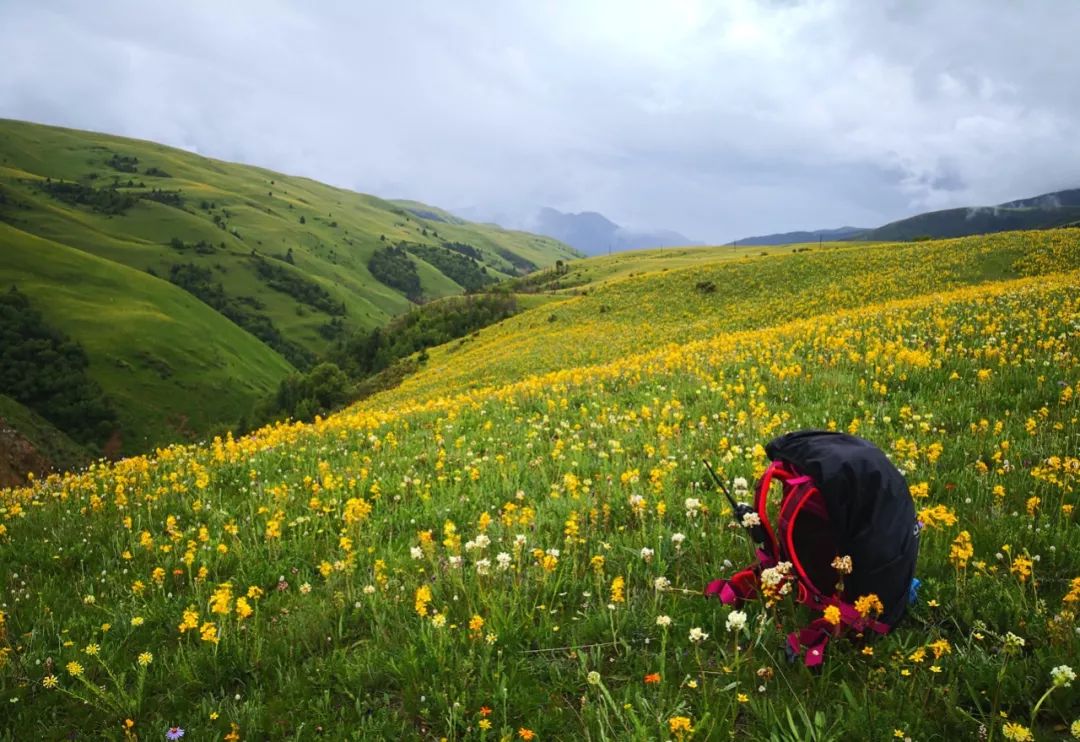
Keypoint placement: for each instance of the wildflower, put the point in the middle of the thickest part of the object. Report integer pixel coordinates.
(617, 587)
(597, 564)
(137, 621)
(940, 647)
(243, 608)
(647, 554)
(416, 552)
(438, 620)
(484, 724)
(842, 564)
(693, 505)
(663, 621)
(742, 698)
(503, 560)
(305, 588)
(677, 539)
(74, 669)
(208, 633)
(1063, 676)
(145, 659)
(593, 678)
(1074, 730)
(961, 550)
(1021, 567)
(1016, 732)
(867, 604)
(174, 733)
(832, 615)
(92, 650)
(369, 589)
(476, 623)
(526, 734)
(1013, 642)
(736, 621)
(680, 726)
(190, 620)
(697, 635)
(50, 681)
(423, 598)
(483, 566)
(652, 678)
(749, 520)
(660, 584)
(485, 711)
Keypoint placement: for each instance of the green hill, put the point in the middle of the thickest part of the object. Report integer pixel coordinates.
(526, 560)
(196, 285)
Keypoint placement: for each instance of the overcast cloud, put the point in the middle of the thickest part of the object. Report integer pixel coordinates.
(719, 120)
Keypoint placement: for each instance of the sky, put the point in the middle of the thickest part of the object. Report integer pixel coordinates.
(716, 119)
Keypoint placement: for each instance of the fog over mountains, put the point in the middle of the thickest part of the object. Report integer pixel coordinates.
(590, 232)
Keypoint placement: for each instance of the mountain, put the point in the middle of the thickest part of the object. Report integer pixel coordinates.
(194, 286)
(791, 238)
(595, 234)
(1049, 210)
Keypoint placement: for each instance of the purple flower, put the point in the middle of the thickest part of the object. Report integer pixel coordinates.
(174, 733)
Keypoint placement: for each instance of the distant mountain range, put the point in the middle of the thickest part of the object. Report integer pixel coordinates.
(590, 232)
(790, 238)
(1057, 209)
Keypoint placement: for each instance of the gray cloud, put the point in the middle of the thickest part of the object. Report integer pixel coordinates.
(716, 119)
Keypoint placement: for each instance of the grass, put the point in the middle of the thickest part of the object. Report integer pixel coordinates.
(227, 214)
(622, 316)
(485, 563)
(171, 365)
(56, 448)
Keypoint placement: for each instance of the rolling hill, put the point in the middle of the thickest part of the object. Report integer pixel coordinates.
(196, 285)
(524, 558)
(595, 234)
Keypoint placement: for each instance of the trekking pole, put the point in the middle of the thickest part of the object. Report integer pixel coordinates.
(740, 509)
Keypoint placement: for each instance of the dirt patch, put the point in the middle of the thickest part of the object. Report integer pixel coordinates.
(18, 457)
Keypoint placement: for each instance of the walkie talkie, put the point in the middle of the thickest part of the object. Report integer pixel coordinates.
(741, 509)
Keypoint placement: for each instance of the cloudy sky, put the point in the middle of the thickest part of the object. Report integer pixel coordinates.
(717, 119)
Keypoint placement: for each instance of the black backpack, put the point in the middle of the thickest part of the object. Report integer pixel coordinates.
(845, 540)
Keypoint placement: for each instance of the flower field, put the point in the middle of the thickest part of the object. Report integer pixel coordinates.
(525, 559)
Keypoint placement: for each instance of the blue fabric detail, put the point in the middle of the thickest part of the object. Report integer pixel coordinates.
(913, 591)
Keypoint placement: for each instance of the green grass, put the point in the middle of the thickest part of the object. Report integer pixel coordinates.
(258, 211)
(378, 611)
(622, 314)
(172, 366)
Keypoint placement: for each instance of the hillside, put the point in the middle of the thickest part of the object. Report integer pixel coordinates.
(792, 238)
(656, 307)
(525, 560)
(227, 277)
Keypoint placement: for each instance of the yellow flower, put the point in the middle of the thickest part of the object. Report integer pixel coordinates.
(867, 604)
(680, 726)
(91, 650)
(832, 615)
(208, 633)
(961, 550)
(423, 598)
(50, 681)
(137, 621)
(484, 724)
(617, 588)
(74, 669)
(1016, 732)
(243, 608)
(145, 659)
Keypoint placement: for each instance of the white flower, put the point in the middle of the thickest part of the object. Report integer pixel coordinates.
(483, 566)
(519, 540)
(677, 539)
(663, 621)
(593, 678)
(697, 635)
(661, 584)
(503, 559)
(646, 554)
(750, 520)
(417, 552)
(369, 589)
(1062, 675)
(736, 621)
(740, 486)
(692, 506)
(553, 552)
(455, 562)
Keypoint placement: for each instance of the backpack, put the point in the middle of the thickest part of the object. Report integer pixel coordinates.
(842, 497)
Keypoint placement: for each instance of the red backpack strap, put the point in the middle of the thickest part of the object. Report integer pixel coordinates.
(741, 586)
(775, 469)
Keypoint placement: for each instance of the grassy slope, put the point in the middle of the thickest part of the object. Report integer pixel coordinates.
(170, 363)
(952, 383)
(620, 317)
(63, 453)
(260, 211)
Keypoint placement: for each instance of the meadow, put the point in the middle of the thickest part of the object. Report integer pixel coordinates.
(197, 285)
(516, 549)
